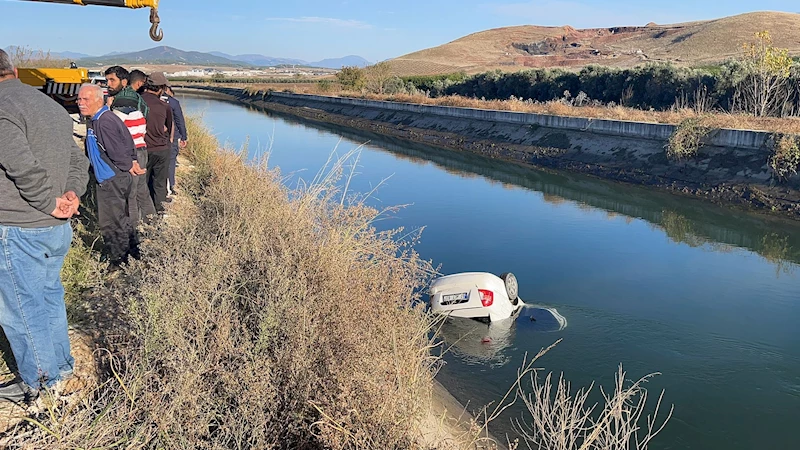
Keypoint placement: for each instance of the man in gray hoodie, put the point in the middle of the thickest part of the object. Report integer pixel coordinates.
(43, 175)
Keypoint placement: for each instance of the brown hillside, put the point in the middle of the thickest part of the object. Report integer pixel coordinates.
(515, 48)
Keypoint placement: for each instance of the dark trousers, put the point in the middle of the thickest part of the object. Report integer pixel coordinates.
(173, 163)
(112, 217)
(157, 172)
(140, 204)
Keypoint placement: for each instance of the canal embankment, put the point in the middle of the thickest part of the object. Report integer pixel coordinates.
(237, 326)
(731, 167)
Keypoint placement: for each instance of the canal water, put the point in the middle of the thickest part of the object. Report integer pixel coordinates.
(706, 296)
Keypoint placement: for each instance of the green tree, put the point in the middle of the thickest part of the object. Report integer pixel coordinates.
(352, 78)
(765, 90)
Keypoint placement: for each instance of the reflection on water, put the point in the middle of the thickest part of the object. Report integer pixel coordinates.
(687, 221)
(479, 342)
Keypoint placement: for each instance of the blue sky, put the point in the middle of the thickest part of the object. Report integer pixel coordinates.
(317, 29)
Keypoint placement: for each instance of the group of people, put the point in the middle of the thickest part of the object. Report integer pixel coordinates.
(133, 139)
(134, 134)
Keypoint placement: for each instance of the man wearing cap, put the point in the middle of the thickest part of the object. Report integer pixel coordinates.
(158, 138)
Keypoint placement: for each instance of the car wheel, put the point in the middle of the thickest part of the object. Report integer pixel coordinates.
(512, 287)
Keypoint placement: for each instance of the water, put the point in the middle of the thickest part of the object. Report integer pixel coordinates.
(708, 297)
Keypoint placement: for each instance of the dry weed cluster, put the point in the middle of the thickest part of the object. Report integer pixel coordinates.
(260, 318)
(687, 139)
(785, 158)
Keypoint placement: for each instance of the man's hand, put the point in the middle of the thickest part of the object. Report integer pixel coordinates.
(181, 143)
(63, 209)
(74, 201)
(136, 170)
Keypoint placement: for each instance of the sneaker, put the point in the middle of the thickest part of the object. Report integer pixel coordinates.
(18, 392)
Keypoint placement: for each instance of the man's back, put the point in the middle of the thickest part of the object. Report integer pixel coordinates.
(36, 155)
(159, 123)
(128, 100)
(136, 124)
(177, 117)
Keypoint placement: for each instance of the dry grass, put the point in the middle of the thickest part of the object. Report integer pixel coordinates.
(260, 318)
(29, 58)
(560, 420)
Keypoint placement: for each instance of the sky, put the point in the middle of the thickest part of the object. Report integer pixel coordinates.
(316, 29)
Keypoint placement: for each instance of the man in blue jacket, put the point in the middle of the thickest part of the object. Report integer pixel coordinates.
(113, 155)
(179, 139)
(43, 174)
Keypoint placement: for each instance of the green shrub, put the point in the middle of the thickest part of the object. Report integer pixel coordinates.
(785, 157)
(687, 139)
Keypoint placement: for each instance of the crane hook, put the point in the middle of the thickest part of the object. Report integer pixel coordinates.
(155, 33)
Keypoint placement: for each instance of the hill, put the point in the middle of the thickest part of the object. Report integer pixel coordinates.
(162, 55)
(527, 46)
(338, 63)
(261, 60)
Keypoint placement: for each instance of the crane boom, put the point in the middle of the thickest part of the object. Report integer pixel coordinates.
(155, 33)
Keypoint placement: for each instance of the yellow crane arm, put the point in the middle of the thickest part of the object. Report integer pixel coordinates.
(155, 33)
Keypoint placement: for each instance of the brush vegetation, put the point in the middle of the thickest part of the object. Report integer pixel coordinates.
(258, 317)
(785, 158)
(687, 139)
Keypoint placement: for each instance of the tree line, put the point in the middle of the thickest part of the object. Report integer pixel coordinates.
(763, 81)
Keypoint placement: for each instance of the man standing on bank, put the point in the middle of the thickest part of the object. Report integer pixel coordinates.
(113, 157)
(158, 138)
(130, 107)
(179, 137)
(43, 174)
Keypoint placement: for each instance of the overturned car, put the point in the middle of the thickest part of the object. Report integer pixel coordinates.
(476, 295)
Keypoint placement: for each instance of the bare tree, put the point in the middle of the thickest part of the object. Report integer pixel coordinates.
(766, 90)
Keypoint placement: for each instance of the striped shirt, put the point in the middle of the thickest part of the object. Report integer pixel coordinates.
(128, 98)
(136, 124)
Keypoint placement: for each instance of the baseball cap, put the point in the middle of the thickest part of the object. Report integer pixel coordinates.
(158, 79)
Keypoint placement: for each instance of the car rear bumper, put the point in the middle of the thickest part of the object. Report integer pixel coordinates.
(466, 313)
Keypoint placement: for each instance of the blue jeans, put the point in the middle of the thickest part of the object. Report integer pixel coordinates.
(173, 164)
(32, 310)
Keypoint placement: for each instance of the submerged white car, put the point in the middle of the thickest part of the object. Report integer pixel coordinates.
(476, 295)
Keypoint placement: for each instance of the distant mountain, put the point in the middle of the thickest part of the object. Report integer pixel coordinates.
(171, 55)
(222, 55)
(71, 55)
(162, 55)
(259, 60)
(338, 63)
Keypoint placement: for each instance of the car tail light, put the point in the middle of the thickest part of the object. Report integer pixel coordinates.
(487, 297)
